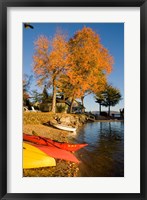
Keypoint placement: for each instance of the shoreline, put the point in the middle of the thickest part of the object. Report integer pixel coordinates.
(63, 168)
(109, 120)
(37, 122)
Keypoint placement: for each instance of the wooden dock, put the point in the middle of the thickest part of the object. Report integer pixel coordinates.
(90, 117)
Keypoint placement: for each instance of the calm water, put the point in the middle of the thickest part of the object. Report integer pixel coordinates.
(104, 155)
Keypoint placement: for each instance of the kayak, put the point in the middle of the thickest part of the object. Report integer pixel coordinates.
(66, 146)
(33, 157)
(57, 153)
(48, 142)
(65, 128)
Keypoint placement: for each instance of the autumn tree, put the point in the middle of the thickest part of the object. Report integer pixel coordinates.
(109, 97)
(66, 87)
(50, 61)
(76, 68)
(88, 65)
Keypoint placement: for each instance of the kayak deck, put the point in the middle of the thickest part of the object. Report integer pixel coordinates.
(48, 142)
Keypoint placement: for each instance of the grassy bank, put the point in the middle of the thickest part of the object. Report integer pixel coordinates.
(40, 117)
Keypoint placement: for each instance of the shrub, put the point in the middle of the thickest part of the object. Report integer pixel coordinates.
(61, 108)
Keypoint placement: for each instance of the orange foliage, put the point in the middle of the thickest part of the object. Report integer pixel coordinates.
(50, 61)
(74, 67)
(89, 63)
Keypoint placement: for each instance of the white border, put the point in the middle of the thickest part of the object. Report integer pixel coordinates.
(131, 182)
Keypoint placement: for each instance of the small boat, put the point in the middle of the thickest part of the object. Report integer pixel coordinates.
(33, 157)
(48, 142)
(64, 127)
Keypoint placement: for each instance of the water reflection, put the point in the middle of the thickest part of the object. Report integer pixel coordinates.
(104, 156)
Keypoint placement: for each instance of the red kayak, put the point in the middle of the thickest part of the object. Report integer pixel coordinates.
(57, 153)
(48, 142)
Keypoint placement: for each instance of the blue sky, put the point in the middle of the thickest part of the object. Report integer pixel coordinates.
(112, 38)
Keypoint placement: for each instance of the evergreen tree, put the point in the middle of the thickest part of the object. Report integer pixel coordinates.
(109, 97)
(44, 95)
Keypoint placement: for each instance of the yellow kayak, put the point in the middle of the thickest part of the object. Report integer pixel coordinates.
(35, 158)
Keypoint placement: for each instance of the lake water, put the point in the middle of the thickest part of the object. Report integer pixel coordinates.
(104, 155)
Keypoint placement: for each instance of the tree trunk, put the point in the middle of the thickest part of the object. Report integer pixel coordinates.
(109, 110)
(100, 108)
(54, 98)
(82, 99)
(71, 105)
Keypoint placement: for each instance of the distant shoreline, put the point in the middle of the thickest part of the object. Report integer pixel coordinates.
(105, 119)
(109, 120)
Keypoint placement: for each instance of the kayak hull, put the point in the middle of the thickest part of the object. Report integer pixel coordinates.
(57, 153)
(33, 157)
